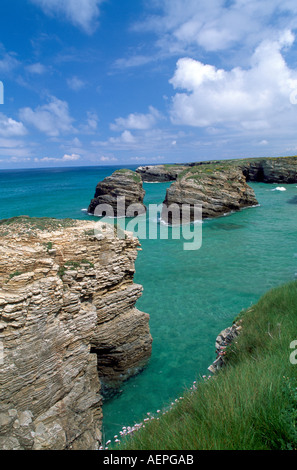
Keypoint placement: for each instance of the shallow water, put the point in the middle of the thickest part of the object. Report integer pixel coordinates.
(190, 295)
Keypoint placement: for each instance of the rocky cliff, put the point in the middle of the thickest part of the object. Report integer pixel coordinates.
(122, 183)
(218, 189)
(270, 170)
(266, 170)
(68, 324)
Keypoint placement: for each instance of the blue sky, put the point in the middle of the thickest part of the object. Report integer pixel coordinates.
(111, 82)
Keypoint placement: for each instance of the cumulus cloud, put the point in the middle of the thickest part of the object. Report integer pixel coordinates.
(250, 97)
(216, 24)
(137, 121)
(11, 128)
(52, 118)
(81, 13)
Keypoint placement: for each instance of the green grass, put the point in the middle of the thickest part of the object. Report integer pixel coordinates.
(39, 223)
(73, 265)
(131, 173)
(251, 403)
(208, 167)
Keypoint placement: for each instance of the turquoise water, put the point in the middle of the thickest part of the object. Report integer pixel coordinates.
(190, 295)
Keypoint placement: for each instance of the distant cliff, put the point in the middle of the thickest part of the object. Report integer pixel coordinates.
(267, 170)
(68, 325)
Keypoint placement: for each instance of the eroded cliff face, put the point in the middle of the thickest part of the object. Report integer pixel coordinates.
(67, 322)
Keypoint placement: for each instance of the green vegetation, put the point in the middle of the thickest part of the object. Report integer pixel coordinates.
(208, 167)
(36, 223)
(73, 265)
(251, 403)
(16, 273)
(135, 176)
(49, 246)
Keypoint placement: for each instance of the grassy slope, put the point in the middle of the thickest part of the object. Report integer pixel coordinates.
(249, 404)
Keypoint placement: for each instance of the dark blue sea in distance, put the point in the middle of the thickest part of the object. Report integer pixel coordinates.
(190, 295)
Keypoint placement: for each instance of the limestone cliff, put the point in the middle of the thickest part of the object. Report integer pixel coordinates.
(67, 322)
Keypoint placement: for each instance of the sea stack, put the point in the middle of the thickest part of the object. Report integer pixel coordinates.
(125, 184)
(218, 188)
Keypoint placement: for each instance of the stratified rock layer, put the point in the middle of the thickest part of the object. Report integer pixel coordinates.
(218, 189)
(67, 314)
(121, 184)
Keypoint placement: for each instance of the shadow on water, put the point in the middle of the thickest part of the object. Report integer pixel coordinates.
(293, 200)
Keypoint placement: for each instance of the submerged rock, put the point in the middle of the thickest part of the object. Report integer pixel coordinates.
(122, 183)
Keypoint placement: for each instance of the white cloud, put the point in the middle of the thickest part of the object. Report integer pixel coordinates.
(81, 13)
(53, 118)
(136, 60)
(65, 158)
(37, 68)
(217, 24)
(72, 157)
(137, 121)
(105, 158)
(253, 98)
(11, 128)
(8, 62)
(76, 83)
(126, 138)
(90, 126)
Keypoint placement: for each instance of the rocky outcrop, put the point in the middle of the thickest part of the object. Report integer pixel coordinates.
(218, 189)
(270, 170)
(68, 324)
(160, 173)
(224, 339)
(122, 183)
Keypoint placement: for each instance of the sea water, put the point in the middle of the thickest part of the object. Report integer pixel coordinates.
(190, 295)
